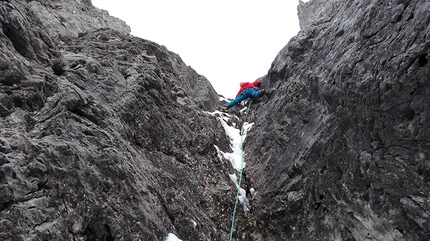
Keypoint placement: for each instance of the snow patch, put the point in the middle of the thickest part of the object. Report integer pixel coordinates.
(237, 137)
(172, 237)
(236, 141)
(242, 195)
(194, 223)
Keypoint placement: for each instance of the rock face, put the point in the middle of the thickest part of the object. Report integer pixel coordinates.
(342, 149)
(105, 136)
(315, 12)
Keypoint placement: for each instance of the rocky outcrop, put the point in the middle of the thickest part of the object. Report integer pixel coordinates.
(69, 18)
(104, 136)
(341, 151)
(316, 12)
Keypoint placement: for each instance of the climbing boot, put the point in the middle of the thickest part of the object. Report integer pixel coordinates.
(266, 92)
(223, 109)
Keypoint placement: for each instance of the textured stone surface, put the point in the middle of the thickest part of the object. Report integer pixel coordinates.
(69, 18)
(105, 136)
(316, 12)
(343, 145)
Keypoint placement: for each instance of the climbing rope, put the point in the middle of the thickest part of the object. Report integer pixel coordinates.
(240, 172)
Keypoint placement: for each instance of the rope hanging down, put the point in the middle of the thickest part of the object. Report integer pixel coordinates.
(240, 172)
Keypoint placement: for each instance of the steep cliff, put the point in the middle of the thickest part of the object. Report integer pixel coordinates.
(105, 136)
(342, 150)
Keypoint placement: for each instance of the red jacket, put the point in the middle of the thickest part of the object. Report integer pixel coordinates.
(247, 85)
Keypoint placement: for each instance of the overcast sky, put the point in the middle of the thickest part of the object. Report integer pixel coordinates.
(227, 41)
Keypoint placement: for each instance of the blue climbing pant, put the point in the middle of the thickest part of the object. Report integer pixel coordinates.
(248, 93)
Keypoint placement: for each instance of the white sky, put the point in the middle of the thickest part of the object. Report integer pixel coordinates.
(227, 41)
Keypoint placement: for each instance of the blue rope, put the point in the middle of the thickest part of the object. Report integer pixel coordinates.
(240, 173)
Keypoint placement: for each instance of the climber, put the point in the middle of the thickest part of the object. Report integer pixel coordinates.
(247, 90)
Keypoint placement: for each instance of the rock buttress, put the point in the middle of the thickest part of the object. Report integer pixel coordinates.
(104, 135)
(341, 150)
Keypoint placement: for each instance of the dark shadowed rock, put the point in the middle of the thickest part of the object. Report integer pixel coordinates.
(343, 145)
(104, 136)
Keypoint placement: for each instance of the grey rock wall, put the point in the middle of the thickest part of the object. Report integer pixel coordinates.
(316, 12)
(104, 136)
(69, 18)
(341, 150)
